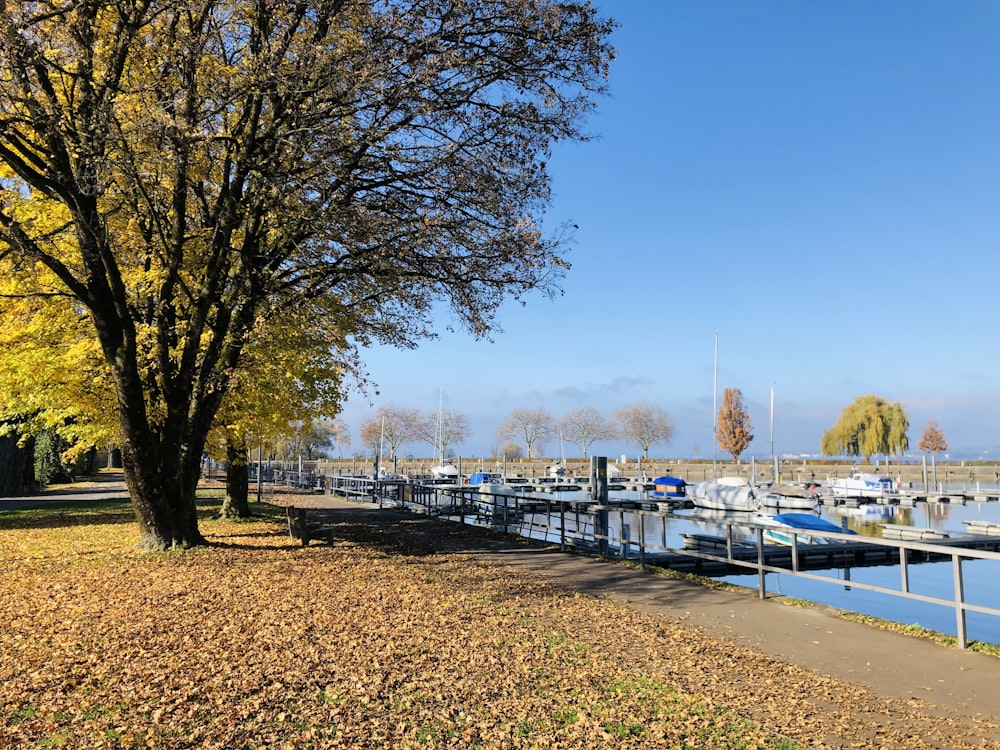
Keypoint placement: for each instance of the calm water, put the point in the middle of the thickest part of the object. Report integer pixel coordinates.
(931, 579)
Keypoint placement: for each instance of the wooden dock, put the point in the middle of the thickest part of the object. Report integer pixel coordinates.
(901, 531)
(810, 556)
(910, 499)
(982, 527)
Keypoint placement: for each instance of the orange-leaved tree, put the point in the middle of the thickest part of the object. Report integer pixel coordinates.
(734, 430)
(932, 441)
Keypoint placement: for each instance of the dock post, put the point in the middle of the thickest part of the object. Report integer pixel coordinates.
(761, 580)
(956, 562)
(562, 525)
(599, 481)
(642, 541)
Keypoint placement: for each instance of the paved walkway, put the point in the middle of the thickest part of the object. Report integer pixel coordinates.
(890, 664)
(105, 486)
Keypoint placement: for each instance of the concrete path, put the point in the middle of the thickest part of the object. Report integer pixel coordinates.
(106, 486)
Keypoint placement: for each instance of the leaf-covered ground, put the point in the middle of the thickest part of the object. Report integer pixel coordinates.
(394, 638)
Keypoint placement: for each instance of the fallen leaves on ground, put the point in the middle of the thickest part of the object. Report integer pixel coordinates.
(394, 638)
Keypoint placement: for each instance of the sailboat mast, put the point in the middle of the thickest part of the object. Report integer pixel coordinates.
(440, 429)
(772, 424)
(715, 409)
(381, 447)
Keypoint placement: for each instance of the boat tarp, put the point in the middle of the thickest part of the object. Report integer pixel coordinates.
(806, 521)
(669, 481)
(788, 490)
(667, 486)
(724, 496)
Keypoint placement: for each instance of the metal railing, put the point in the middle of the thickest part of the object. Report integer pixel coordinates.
(589, 527)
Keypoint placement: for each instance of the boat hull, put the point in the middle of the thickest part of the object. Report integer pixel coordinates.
(793, 528)
(790, 502)
(718, 496)
(863, 485)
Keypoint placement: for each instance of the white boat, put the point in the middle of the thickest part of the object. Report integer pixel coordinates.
(733, 481)
(556, 470)
(787, 497)
(862, 485)
(489, 483)
(492, 497)
(724, 495)
(445, 471)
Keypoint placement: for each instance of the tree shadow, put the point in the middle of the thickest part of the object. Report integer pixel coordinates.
(39, 513)
(403, 535)
(399, 533)
(58, 514)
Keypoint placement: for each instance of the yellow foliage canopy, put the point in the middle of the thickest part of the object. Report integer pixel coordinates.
(869, 426)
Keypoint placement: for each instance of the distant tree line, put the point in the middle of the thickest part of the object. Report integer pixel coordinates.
(524, 433)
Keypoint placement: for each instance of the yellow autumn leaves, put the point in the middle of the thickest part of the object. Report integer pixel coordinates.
(387, 640)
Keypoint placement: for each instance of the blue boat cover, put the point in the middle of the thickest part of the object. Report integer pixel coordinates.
(671, 481)
(806, 521)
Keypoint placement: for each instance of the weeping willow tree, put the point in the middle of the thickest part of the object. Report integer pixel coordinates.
(869, 426)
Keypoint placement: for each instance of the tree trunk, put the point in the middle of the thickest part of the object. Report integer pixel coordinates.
(16, 467)
(236, 504)
(164, 507)
(161, 473)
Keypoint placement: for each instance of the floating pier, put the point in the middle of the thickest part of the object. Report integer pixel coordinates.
(809, 556)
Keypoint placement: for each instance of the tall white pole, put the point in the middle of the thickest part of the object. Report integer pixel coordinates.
(774, 459)
(772, 424)
(381, 444)
(715, 410)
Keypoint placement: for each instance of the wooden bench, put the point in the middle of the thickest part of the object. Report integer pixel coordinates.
(305, 529)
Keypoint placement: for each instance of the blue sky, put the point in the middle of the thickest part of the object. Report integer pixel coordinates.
(818, 183)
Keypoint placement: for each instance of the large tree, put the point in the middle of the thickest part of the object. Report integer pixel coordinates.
(585, 426)
(292, 375)
(395, 425)
(646, 424)
(734, 431)
(443, 429)
(531, 426)
(202, 163)
(869, 426)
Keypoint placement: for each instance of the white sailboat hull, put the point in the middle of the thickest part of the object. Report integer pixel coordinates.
(718, 496)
